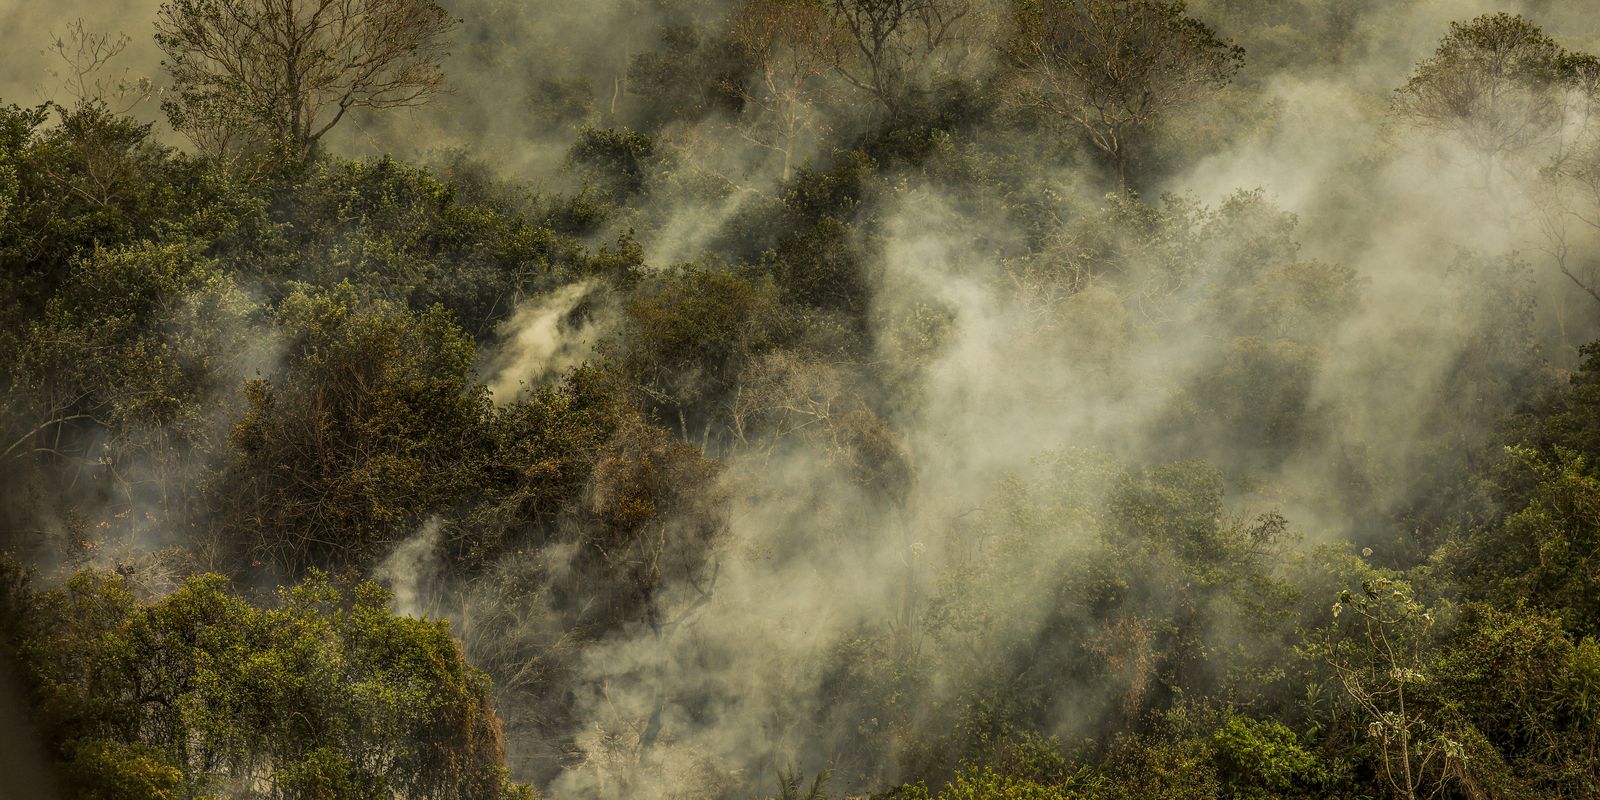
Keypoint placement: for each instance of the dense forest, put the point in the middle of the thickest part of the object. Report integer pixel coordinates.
(956, 399)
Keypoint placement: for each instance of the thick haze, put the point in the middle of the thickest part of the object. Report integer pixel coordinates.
(983, 387)
(736, 687)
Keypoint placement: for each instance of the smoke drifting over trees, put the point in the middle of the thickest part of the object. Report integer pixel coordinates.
(1084, 399)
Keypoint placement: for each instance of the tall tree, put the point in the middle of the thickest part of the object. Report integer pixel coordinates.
(1569, 196)
(891, 41)
(1492, 84)
(1526, 109)
(289, 70)
(793, 44)
(1109, 68)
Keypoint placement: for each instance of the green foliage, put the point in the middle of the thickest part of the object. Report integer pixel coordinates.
(1549, 543)
(1262, 760)
(136, 338)
(111, 770)
(1568, 417)
(690, 331)
(142, 335)
(1541, 549)
(789, 787)
(614, 159)
(689, 75)
(1178, 768)
(986, 784)
(410, 237)
(821, 268)
(127, 366)
(1519, 681)
(814, 194)
(95, 179)
(1135, 564)
(371, 425)
(323, 693)
(277, 366)
(1486, 72)
(543, 453)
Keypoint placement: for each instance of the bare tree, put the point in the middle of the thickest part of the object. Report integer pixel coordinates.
(86, 55)
(1109, 68)
(892, 42)
(786, 396)
(794, 46)
(287, 71)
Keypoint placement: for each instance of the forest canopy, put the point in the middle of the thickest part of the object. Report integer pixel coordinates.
(956, 399)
